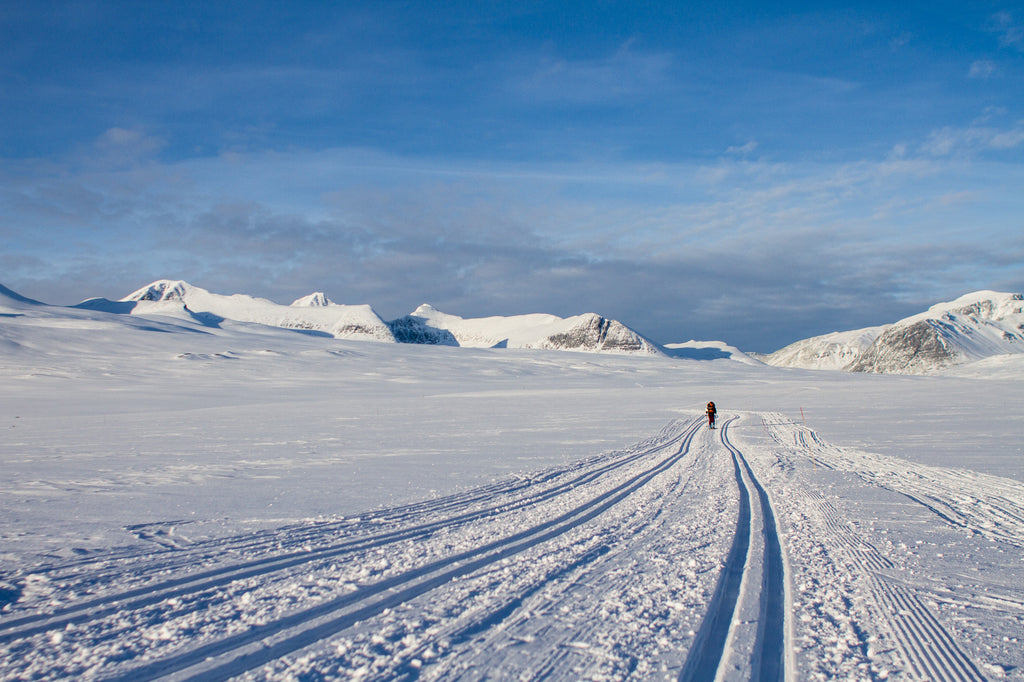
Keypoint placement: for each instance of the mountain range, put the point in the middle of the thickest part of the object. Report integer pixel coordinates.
(984, 325)
(319, 315)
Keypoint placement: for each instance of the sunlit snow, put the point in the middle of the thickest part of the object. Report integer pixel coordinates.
(207, 499)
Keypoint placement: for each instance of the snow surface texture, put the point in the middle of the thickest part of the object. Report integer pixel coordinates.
(183, 500)
(972, 328)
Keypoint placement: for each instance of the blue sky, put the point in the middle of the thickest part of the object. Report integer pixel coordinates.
(735, 171)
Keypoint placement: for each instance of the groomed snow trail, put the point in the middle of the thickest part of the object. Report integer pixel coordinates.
(739, 553)
(743, 631)
(917, 572)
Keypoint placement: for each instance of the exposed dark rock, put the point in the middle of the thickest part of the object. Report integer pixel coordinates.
(599, 333)
(901, 350)
(412, 329)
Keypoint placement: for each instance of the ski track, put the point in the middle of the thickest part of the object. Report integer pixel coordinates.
(693, 555)
(106, 624)
(895, 618)
(751, 592)
(296, 543)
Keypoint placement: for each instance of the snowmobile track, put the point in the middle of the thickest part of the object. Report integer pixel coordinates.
(741, 575)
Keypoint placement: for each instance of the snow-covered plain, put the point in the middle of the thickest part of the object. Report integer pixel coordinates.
(187, 501)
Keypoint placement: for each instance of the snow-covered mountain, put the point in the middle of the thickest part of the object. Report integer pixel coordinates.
(313, 313)
(837, 350)
(426, 325)
(976, 326)
(33, 331)
(588, 332)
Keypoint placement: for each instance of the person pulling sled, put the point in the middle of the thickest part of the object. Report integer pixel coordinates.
(711, 415)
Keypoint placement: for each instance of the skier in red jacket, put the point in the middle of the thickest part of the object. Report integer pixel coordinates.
(711, 414)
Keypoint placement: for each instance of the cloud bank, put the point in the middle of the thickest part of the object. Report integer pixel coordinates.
(751, 252)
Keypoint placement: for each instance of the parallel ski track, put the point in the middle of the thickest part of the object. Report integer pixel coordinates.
(574, 587)
(994, 510)
(191, 553)
(928, 648)
(709, 647)
(113, 562)
(265, 643)
(148, 594)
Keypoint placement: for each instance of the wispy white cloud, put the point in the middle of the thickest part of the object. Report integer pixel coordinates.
(1009, 29)
(626, 73)
(123, 147)
(743, 149)
(982, 69)
(974, 139)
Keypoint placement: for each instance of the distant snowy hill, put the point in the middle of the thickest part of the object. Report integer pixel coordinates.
(975, 327)
(588, 332)
(14, 299)
(35, 330)
(314, 313)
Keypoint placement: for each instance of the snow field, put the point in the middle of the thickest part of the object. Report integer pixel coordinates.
(268, 505)
(606, 568)
(242, 603)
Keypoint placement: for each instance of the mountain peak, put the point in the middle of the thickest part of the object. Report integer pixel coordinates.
(314, 314)
(317, 299)
(994, 305)
(162, 290)
(425, 310)
(589, 332)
